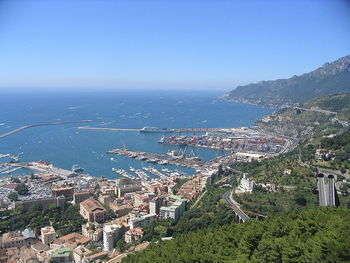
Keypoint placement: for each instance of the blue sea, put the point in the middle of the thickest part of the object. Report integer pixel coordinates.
(65, 145)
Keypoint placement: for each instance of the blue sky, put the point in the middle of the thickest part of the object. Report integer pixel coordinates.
(166, 44)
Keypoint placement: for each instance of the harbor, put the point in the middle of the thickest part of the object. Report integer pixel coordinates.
(159, 130)
(163, 159)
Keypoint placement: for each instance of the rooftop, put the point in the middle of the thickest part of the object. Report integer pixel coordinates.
(62, 252)
(92, 205)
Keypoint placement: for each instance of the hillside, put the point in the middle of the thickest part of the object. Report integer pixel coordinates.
(339, 103)
(331, 78)
(311, 235)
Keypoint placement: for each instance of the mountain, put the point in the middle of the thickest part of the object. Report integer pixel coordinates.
(331, 78)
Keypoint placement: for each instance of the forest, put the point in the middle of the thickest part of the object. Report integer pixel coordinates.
(304, 235)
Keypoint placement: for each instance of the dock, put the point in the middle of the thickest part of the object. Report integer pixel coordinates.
(177, 130)
(39, 124)
(41, 167)
(162, 159)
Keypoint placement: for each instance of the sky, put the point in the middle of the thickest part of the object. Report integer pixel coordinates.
(160, 44)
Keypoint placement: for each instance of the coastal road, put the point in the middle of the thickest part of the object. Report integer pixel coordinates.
(235, 206)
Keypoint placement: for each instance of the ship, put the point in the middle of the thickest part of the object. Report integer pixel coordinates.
(152, 129)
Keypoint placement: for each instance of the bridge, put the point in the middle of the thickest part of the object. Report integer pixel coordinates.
(326, 190)
(240, 215)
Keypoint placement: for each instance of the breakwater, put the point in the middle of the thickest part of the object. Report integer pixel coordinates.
(38, 125)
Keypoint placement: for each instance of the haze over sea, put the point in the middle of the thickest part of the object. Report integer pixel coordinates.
(64, 145)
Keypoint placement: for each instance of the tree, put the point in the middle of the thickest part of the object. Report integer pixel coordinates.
(300, 200)
(22, 189)
(13, 196)
(15, 180)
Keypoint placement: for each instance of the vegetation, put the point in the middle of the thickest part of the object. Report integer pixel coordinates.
(340, 142)
(210, 212)
(309, 235)
(179, 182)
(13, 196)
(339, 103)
(22, 189)
(65, 220)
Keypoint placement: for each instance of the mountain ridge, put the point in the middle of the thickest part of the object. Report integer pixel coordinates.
(330, 78)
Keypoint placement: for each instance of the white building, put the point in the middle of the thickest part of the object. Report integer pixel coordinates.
(174, 210)
(110, 234)
(246, 186)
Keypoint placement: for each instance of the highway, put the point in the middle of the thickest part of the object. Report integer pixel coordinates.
(235, 206)
(316, 110)
(326, 190)
(39, 124)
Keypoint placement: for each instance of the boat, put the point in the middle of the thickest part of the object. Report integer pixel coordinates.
(174, 153)
(76, 169)
(152, 129)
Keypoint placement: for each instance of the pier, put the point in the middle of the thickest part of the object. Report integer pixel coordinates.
(41, 167)
(40, 124)
(163, 159)
(177, 130)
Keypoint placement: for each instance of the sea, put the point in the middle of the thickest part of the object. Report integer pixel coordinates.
(65, 145)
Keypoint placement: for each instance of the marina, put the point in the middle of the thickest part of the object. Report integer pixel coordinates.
(162, 159)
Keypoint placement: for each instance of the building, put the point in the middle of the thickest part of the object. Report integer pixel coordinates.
(44, 203)
(71, 240)
(141, 220)
(121, 210)
(246, 186)
(110, 235)
(176, 207)
(139, 199)
(155, 204)
(67, 192)
(133, 235)
(93, 211)
(94, 231)
(97, 256)
(48, 234)
(105, 199)
(80, 254)
(64, 254)
(127, 185)
(81, 196)
(17, 239)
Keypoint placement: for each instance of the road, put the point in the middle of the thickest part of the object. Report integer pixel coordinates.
(316, 110)
(235, 206)
(326, 191)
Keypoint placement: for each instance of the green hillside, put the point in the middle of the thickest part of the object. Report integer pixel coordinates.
(339, 103)
(311, 235)
(331, 78)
